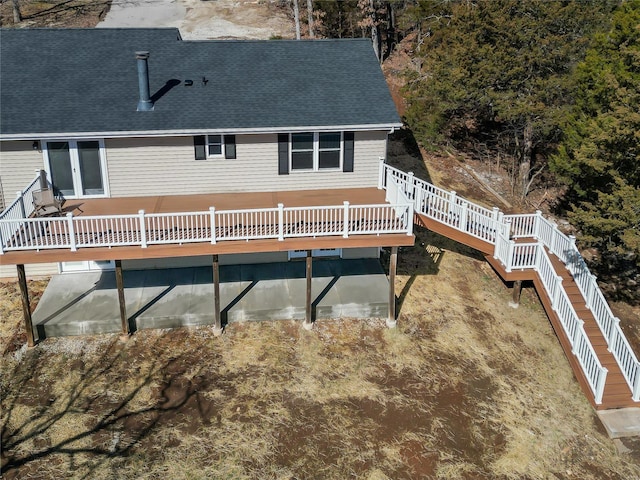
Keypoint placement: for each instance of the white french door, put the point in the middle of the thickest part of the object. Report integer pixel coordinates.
(76, 167)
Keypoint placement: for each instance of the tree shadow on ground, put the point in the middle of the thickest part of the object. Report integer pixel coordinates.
(69, 416)
(403, 152)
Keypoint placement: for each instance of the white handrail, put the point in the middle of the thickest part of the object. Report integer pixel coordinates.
(22, 207)
(145, 229)
(405, 194)
(498, 229)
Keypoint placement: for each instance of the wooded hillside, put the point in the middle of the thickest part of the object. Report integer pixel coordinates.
(551, 89)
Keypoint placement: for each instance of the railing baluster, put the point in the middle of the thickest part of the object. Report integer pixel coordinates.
(345, 221)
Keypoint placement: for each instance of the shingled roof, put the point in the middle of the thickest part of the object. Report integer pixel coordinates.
(84, 82)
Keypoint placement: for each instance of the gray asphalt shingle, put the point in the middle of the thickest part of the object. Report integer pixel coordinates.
(85, 80)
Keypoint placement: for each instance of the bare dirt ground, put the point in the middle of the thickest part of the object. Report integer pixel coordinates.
(55, 13)
(465, 387)
(196, 19)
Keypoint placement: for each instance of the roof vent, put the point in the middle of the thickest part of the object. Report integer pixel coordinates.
(144, 103)
(188, 83)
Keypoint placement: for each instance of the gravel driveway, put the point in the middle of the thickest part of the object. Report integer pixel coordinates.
(201, 19)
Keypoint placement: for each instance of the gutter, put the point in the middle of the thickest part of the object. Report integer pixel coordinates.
(201, 131)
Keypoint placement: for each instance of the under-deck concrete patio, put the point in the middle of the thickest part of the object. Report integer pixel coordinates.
(87, 303)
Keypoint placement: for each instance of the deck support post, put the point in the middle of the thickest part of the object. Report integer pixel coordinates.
(515, 294)
(393, 263)
(217, 318)
(308, 320)
(124, 323)
(26, 309)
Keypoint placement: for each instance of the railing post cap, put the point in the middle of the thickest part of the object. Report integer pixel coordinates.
(280, 205)
(410, 174)
(69, 214)
(538, 212)
(496, 209)
(141, 212)
(212, 209)
(345, 202)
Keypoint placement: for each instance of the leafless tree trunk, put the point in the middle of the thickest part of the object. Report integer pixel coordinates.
(375, 38)
(524, 169)
(17, 15)
(296, 16)
(310, 16)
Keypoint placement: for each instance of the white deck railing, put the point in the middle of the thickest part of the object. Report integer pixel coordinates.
(498, 229)
(564, 247)
(405, 194)
(143, 229)
(20, 208)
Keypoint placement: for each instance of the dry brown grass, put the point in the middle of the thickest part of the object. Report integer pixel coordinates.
(55, 13)
(465, 387)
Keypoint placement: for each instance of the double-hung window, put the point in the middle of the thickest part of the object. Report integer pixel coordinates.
(316, 151)
(214, 145)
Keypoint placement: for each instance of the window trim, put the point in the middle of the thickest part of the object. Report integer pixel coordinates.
(208, 144)
(316, 153)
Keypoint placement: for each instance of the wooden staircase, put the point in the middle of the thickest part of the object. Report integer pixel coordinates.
(617, 393)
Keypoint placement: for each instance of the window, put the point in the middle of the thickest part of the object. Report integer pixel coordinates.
(329, 150)
(302, 151)
(316, 151)
(214, 146)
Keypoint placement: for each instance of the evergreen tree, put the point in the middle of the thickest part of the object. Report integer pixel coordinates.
(600, 158)
(498, 73)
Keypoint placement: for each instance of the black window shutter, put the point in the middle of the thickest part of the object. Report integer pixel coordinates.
(283, 154)
(347, 164)
(199, 144)
(229, 146)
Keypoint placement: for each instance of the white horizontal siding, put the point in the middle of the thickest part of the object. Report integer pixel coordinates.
(156, 166)
(19, 164)
(31, 270)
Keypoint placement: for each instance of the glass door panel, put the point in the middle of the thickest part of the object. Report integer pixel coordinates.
(61, 169)
(90, 167)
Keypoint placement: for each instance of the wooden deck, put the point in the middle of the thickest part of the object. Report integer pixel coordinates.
(193, 203)
(617, 393)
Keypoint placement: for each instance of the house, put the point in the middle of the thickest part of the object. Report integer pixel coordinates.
(180, 153)
(170, 152)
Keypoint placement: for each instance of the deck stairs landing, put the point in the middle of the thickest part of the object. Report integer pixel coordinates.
(529, 247)
(616, 391)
